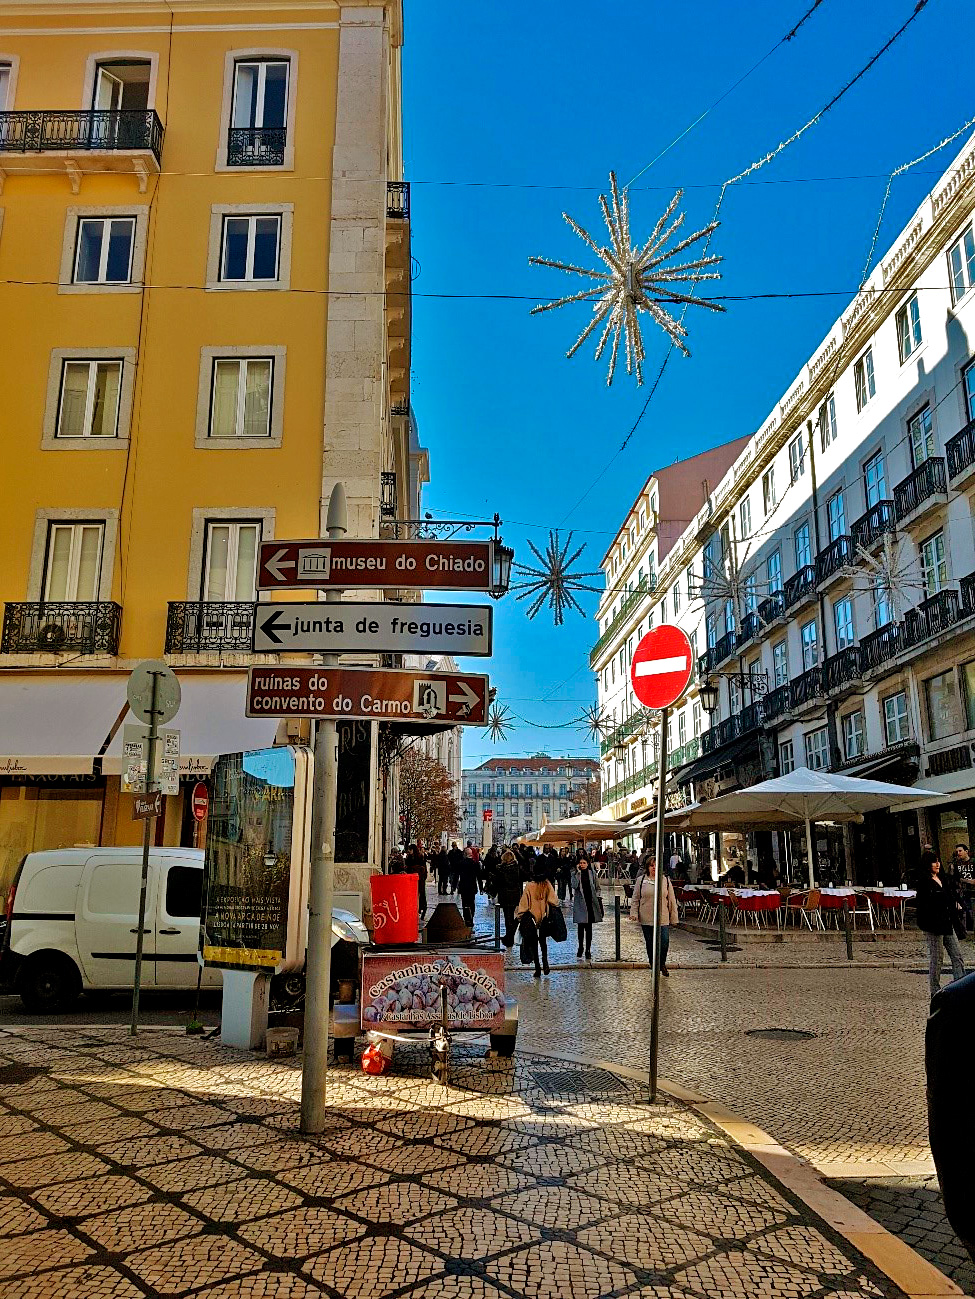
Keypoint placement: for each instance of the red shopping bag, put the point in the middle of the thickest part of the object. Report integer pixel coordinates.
(395, 909)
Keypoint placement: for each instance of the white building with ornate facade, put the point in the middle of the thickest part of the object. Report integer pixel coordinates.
(522, 793)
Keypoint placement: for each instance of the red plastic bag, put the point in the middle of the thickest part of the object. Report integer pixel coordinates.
(395, 909)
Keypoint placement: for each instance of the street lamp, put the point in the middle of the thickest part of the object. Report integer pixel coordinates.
(708, 692)
(501, 573)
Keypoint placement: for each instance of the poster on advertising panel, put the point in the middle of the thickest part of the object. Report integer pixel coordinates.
(402, 990)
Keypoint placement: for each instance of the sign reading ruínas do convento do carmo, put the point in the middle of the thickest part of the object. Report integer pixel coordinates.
(251, 918)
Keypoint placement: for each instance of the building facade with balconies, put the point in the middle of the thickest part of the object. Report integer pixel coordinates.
(522, 794)
(836, 558)
(205, 245)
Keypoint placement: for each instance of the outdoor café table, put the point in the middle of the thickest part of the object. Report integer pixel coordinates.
(749, 902)
(834, 899)
(887, 900)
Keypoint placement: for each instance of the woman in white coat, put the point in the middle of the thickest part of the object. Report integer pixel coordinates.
(641, 909)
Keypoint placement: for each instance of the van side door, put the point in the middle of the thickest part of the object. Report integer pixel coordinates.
(108, 918)
(180, 894)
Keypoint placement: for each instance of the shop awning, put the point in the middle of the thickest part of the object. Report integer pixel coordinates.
(55, 726)
(702, 767)
(210, 721)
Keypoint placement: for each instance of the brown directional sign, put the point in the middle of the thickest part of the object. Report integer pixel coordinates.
(459, 698)
(145, 806)
(375, 564)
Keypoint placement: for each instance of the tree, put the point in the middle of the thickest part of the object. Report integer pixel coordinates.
(427, 799)
(585, 799)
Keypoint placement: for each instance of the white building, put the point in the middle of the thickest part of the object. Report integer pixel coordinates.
(522, 793)
(829, 577)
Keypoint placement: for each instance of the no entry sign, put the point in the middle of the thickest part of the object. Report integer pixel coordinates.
(661, 666)
(201, 801)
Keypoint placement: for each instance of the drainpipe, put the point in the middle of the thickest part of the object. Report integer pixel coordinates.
(834, 748)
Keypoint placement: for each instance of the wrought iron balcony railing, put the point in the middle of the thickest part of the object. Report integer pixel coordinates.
(777, 702)
(684, 753)
(837, 555)
(960, 450)
(751, 717)
(929, 479)
(645, 585)
(772, 607)
(842, 668)
(398, 200)
(880, 646)
(723, 648)
(208, 627)
(808, 688)
(751, 625)
(82, 627)
(933, 616)
(870, 527)
(949, 761)
(47, 130)
(388, 498)
(800, 586)
(256, 146)
(967, 585)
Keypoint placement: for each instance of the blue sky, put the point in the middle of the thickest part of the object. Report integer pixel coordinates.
(517, 111)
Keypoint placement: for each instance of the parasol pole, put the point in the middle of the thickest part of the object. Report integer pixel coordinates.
(809, 852)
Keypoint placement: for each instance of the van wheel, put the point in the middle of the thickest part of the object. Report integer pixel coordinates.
(49, 983)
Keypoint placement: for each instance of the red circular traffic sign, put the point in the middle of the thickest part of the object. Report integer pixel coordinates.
(200, 801)
(661, 666)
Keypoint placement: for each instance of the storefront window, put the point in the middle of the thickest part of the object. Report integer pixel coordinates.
(968, 677)
(944, 706)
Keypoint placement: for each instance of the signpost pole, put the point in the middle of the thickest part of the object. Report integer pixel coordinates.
(147, 829)
(318, 967)
(655, 975)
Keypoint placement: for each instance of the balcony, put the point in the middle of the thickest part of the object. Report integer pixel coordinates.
(835, 560)
(684, 753)
(723, 649)
(388, 503)
(256, 146)
(800, 588)
(960, 455)
(398, 200)
(808, 690)
(750, 717)
(751, 626)
(642, 588)
(209, 627)
(948, 761)
(843, 669)
(82, 627)
(933, 616)
(879, 647)
(74, 141)
(922, 491)
(777, 702)
(771, 609)
(873, 526)
(967, 585)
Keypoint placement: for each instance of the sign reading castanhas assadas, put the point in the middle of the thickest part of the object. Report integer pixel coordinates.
(405, 989)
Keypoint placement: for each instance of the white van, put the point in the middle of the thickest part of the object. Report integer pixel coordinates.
(72, 923)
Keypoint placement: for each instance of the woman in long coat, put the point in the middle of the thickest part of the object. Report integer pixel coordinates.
(587, 904)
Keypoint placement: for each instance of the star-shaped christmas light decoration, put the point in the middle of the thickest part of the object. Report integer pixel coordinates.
(499, 722)
(552, 583)
(894, 582)
(596, 721)
(635, 280)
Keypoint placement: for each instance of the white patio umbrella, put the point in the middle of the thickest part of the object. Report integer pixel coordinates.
(802, 795)
(582, 827)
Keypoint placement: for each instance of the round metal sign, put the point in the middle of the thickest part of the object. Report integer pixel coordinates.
(661, 666)
(139, 692)
(201, 801)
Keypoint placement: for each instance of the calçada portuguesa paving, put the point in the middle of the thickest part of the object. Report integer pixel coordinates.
(167, 1165)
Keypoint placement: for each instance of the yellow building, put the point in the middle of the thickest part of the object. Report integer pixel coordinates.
(204, 305)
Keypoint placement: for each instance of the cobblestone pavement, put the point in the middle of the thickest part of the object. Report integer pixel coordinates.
(169, 1166)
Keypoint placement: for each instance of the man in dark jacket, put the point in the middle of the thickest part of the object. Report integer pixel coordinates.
(470, 879)
(455, 859)
(508, 892)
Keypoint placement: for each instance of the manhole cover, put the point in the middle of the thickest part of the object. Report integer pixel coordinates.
(556, 1082)
(19, 1073)
(780, 1034)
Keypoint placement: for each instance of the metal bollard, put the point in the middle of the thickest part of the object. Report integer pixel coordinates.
(616, 918)
(497, 927)
(849, 929)
(722, 931)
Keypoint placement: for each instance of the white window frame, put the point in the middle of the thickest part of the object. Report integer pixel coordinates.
(864, 378)
(836, 515)
(787, 757)
(877, 457)
(908, 325)
(797, 458)
(43, 519)
(101, 280)
(780, 663)
(202, 518)
(816, 745)
(50, 439)
(768, 490)
(896, 719)
(69, 249)
(95, 60)
(77, 529)
(94, 366)
(810, 643)
(920, 438)
(844, 605)
(961, 267)
(675, 594)
(11, 62)
(934, 569)
(804, 533)
(219, 212)
(745, 517)
(773, 571)
(257, 54)
(208, 355)
(827, 422)
(854, 735)
(234, 525)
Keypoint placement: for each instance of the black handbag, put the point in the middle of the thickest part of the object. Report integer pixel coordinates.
(597, 907)
(553, 926)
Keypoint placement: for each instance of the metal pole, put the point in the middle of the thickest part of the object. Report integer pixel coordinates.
(146, 841)
(849, 931)
(318, 962)
(497, 927)
(655, 970)
(722, 931)
(809, 853)
(616, 918)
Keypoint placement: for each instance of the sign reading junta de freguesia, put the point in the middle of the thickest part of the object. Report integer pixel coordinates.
(374, 628)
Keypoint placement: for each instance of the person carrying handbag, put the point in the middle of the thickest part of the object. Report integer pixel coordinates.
(940, 915)
(536, 899)
(587, 904)
(641, 909)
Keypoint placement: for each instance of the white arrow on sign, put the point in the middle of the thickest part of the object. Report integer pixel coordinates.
(277, 564)
(657, 667)
(467, 700)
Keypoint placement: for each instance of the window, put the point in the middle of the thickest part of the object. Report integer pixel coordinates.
(499, 791)
(230, 566)
(528, 809)
(773, 571)
(485, 790)
(944, 705)
(787, 759)
(472, 789)
(969, 378)
(682, 728)
(827, 422)
(103, 250)
(240, 400)
(88, 406)
(73, 563)
(745, 517)
(5, 80)
(260, 94)
(643, 519)
(121, 85)
(547, 809)
(797, 458)
(895, 718)
(694, 652)
(882, 604)
(768, 490)
(934, 564)
(751, 594)
(529, 790)
(514, 792)
(184, 891)
(663, 609)
(968, 677)
(921, 433)
(863, 378)
(843, 623)
(803, 549)
(809, 638)
(729, 615)
(780, 663)
(696, 717)
(712, 628)
(546, 790)
(961, 265)
(853, 746)
(563, 790)
(734, 695)
(908, 328)
(817, 750)
(249, 247)
(836, 515)
(675, 594)
(874, 481)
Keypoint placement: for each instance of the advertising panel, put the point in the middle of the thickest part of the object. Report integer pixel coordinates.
(401, 990)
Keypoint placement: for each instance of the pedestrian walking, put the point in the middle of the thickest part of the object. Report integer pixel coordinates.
(455, 859)
(939, 915)
(416, 865)
(641, 910)
(467, 884)
(587, 904)
(441, 865)
(538, 895)
(507, 883)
